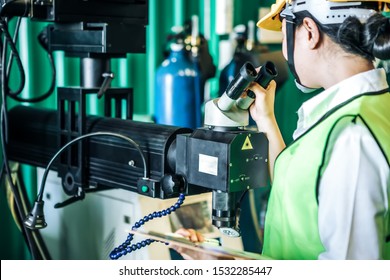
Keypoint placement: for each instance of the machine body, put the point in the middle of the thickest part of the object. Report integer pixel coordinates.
(227, 159)
(228, 163)
(200, 160)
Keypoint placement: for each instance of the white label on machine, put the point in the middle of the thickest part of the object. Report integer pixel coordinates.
(208, 164)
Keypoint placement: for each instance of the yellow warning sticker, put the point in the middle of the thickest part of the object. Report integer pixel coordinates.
(247, 144)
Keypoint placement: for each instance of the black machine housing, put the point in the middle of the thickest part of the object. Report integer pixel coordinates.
(87, 26)
(180, 160)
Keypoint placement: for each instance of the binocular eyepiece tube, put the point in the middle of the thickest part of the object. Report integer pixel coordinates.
(237, 86)
(266, 74)
(241, 82)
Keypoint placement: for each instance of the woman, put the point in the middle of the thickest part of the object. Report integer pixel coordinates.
(331, 187)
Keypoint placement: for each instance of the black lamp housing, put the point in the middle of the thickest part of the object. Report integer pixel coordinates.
(36, 218)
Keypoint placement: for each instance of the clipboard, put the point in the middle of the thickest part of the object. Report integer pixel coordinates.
(208, 248)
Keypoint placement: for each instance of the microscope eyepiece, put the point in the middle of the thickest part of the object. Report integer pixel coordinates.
(236, 87)
(240, 82)
(266, 74)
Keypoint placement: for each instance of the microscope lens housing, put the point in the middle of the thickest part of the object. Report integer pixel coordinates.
(236, 87)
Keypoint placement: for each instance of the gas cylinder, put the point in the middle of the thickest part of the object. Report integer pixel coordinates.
(177, 97)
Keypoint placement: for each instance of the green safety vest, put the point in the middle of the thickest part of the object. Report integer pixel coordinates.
(291, 223)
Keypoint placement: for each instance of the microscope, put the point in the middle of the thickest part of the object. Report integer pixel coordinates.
(224, 156)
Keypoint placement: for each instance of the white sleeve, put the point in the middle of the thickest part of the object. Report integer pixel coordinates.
(353, 197)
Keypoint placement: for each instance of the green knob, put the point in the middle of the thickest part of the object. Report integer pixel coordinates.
(145, 189)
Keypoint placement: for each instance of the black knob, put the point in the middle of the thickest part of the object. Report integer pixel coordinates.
(172, 183)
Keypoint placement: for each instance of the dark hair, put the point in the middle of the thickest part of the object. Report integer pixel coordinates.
(370, 40)
(377, 36)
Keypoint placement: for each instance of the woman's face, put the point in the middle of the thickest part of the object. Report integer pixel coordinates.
(302, 55)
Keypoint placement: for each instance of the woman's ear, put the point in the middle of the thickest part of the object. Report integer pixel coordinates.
(313, 33)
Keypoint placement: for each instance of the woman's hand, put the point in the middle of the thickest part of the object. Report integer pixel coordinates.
(263, 113)
(193, 236)
(190, 254)
(190, 234)
(262, 110)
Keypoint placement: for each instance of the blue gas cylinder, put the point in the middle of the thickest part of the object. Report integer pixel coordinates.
(177, 91)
